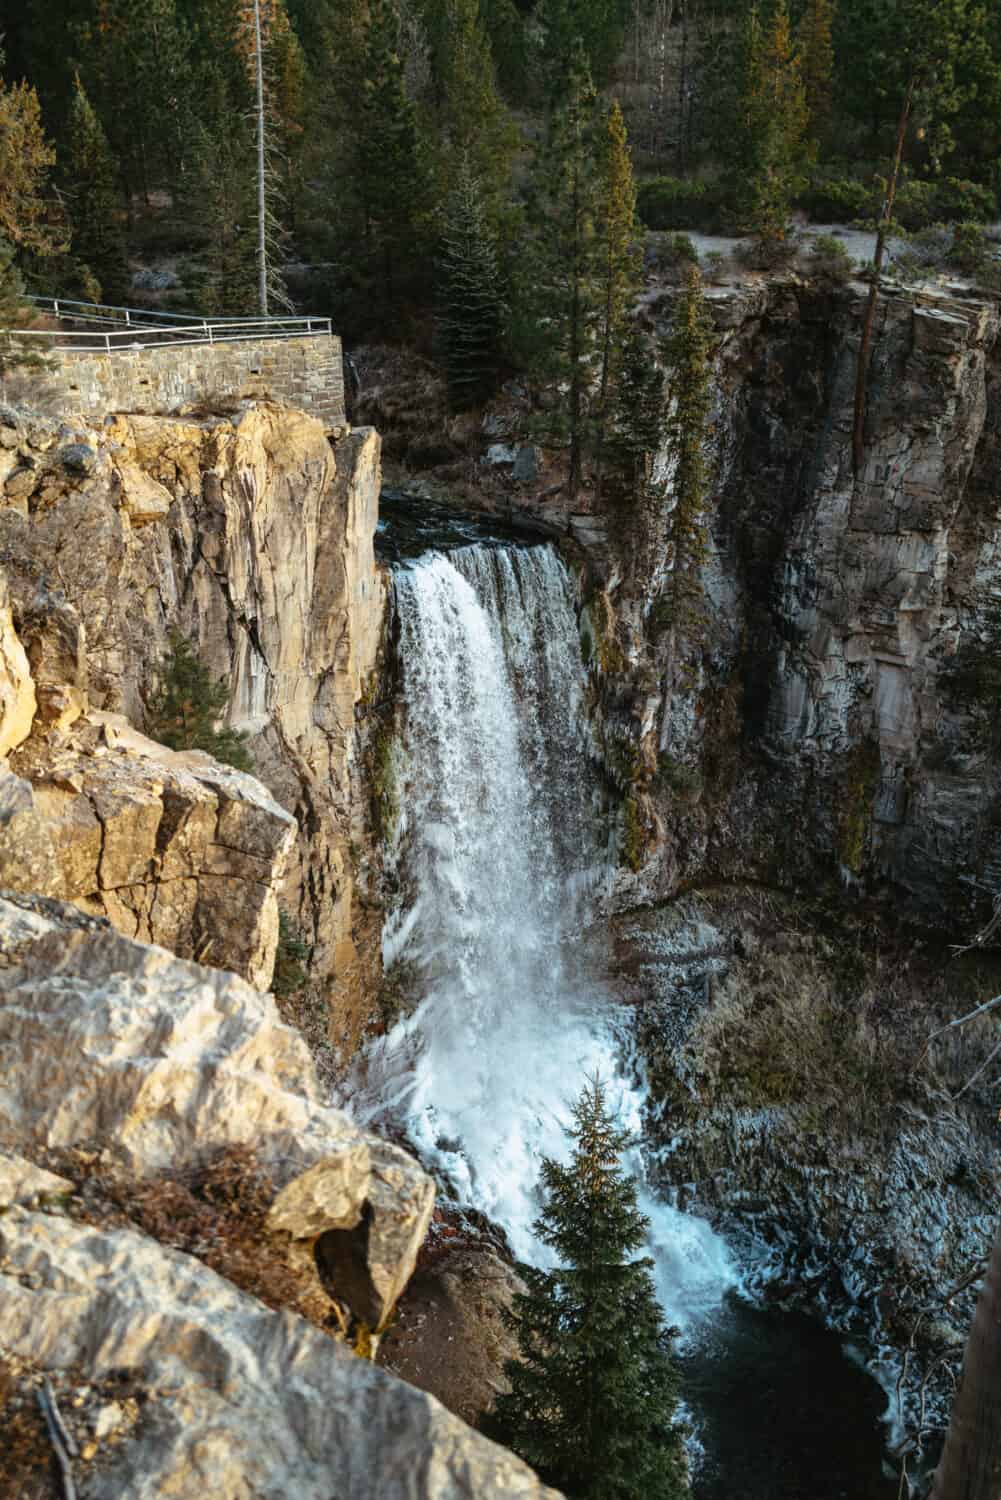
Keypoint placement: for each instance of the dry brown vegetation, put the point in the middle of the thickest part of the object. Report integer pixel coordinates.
(26, 1463)
(842, 1041)
(216, 1212)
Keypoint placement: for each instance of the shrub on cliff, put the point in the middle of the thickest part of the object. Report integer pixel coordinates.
(593, 1395)
(186, 710)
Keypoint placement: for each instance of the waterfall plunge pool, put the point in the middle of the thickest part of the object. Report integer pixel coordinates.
(500, 842)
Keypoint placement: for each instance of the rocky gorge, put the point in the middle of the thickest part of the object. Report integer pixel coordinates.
(817, 821)
(775, 873)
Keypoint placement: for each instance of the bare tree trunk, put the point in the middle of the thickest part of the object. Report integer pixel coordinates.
(262, 212)
(970, 1468)
(882, 231)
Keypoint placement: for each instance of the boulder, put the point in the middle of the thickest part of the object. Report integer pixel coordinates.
(159, 1063)
(238, 1401)
(171, 846)
(28, 860)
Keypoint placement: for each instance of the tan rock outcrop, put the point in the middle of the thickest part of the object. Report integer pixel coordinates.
(17, 690)
(240, 1401)
(108, 1043)
(253, 536)
(171, 847)
(23, 1183)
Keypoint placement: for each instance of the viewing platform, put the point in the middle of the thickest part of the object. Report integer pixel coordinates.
(104, 358)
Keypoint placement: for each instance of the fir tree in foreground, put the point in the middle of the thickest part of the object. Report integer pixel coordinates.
(593, 1394)
(185, 712)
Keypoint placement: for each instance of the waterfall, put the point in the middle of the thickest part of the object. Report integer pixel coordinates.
(496, 856)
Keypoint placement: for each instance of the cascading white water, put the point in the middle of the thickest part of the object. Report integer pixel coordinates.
(496, 852)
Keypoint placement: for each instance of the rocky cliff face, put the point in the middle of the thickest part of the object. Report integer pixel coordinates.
(252, 536)
(839, 721)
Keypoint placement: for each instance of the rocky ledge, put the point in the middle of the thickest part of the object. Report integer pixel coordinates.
(146, 1064)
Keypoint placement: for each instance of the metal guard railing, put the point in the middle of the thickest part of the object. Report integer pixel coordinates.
(124, 328)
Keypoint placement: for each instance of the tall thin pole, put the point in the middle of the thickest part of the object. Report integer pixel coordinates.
(262, 233)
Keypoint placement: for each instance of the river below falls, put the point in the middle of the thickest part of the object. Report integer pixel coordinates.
(503, 833)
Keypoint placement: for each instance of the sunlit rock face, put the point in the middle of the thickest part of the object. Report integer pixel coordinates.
(252, 536)
(159, 1063)
(237, 1400)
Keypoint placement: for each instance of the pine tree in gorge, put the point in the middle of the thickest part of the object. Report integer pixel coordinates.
(637, 425)
(618, 269)
(816, 49)
(560, 304)
(593, 1393)
(220, 191)
(469, 294)
(95, 201)
(471, 119)
(134, 61)
(689, 354)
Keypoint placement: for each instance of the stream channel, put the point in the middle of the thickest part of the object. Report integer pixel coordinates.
(498, 860)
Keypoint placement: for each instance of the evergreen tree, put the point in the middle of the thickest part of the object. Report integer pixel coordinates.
(470, 118)
(593, 1393)
(637, 430)
(135, 61)
(220, 196)
(185, 712)
(98, 237)
(816, 47)
(689, 354)
(598, 26)
(27, 217)
(776, 122)
(618, 267)
(560, 298)
(390, 177)
(469, 293)
(505, 27)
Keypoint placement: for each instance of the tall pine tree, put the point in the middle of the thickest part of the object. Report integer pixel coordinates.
(593, 1393)
(618, 267)
(689, 355)
(470, 297)
(637, 431)
(816, 48)
(776, 122)
(470, 120)
(560, 299)
(390, 177)
(27, 216)
(95, 202)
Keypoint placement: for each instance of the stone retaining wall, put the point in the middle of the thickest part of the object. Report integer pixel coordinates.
(303, 372)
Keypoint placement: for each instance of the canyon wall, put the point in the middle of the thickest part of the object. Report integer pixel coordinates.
(838, 719)
(250, 535)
